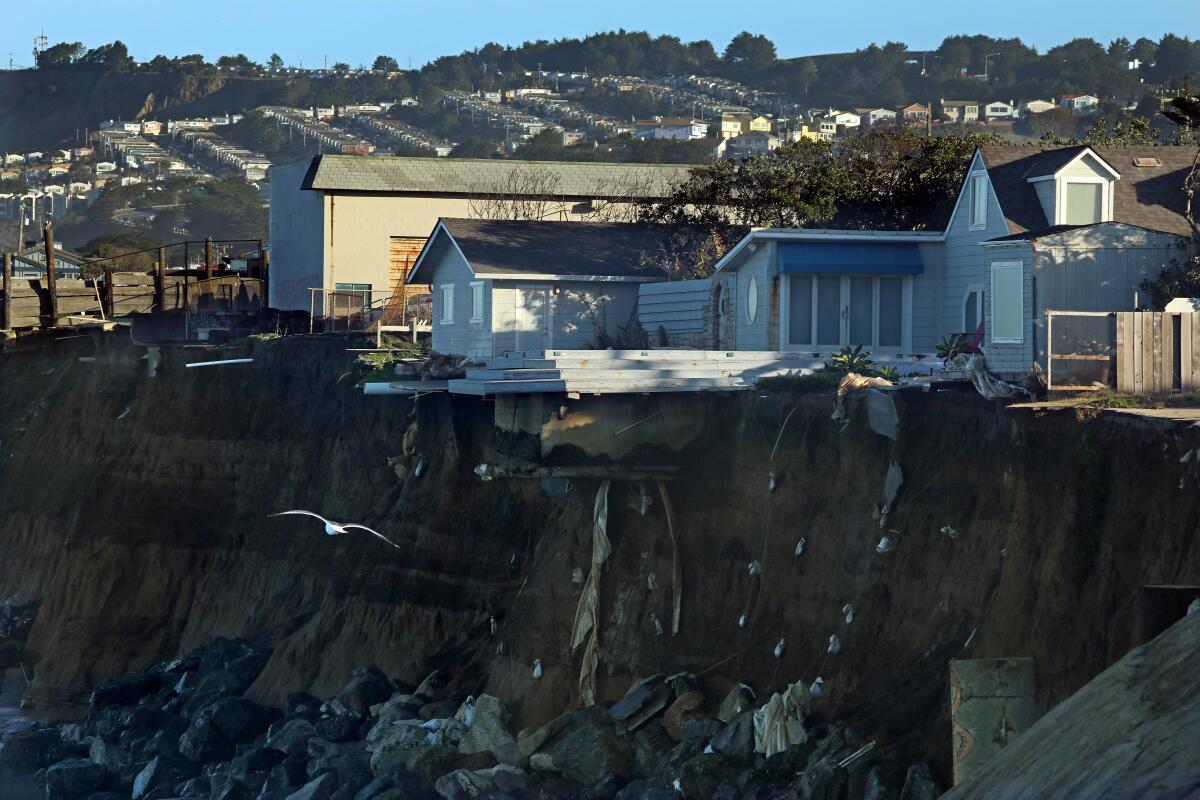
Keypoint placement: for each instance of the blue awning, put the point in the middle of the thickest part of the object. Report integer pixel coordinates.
(875, 258)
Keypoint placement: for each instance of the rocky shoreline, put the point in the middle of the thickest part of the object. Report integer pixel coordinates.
(183, 729)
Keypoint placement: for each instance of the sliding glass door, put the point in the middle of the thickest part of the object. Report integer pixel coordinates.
(825, 312)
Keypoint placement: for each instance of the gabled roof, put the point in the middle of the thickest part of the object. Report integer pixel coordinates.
(1051, 162)
(482, 177)
(1148, 197)
(525, 249)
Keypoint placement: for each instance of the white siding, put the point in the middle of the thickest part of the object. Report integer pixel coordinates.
(297, 246)
(678, 308)
(927, 290)
(460, 336)
(761, 266)
(578, 309)
(1094, 269)
(967, 263)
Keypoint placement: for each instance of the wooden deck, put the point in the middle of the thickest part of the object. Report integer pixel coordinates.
(628, 371)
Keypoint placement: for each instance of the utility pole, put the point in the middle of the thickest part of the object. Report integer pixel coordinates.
(985, 65)
(6, 321)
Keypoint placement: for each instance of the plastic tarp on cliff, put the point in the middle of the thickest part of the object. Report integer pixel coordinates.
(587, 614)
(780, 723)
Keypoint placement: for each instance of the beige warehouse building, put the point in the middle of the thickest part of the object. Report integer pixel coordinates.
(356, 224)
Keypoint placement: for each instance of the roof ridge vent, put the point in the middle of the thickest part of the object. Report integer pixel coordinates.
(1147, 161)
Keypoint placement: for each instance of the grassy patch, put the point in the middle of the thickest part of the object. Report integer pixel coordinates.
(1108, 398)
(793, 382)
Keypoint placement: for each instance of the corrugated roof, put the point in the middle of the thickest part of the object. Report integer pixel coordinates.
(585, 249)
(1148, 197)
(482, 177)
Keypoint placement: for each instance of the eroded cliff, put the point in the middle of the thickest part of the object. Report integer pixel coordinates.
(134, 495)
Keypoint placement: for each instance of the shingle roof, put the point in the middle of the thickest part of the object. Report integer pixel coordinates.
(1148, 197)
(587, 249)
(482, 177)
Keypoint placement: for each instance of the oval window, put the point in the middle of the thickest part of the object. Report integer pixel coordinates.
(752, 299)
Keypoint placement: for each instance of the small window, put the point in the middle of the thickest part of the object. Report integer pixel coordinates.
(447, 303)
(979, 202)
(752, 299)
(1085, 203)
(1008, 302)
(477, 301)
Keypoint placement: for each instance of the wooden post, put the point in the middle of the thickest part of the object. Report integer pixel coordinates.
(51, 281)
(265, 277)
(208, 257)
(160, 274)
(108, 290)
(6, 320)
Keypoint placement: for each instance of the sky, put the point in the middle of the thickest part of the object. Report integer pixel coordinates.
(306, 32)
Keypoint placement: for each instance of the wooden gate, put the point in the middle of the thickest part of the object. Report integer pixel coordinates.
(1157, 352)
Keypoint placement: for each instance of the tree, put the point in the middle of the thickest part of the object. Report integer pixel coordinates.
(1183, 279)
(110, 57)
(1126, 131)
(60, 55)
(238, 63)
(385, 64)
(750, 52)
(275, 62)
(340, 68)
(228, 208)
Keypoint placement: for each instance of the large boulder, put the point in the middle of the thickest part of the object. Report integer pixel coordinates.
(289, 736)
(204, 743)
(736, 739)
(126, 690)
(303, 704)
(28, 751)
(391, 743)
(590, 749)
(485, 731)
(239, 719)
(684, 708)
(368, 686)
(221, 651)
(462, 784)
(320, 788)
(349, 762)
(700, 776)
(163, 772)
(74, 778)
(343, 727)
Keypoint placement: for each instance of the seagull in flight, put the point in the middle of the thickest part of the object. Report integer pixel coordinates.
(334, 528)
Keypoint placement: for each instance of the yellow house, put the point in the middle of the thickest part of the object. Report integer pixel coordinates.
(731, 126)
(756, 124)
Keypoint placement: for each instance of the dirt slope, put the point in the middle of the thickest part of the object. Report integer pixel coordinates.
(144, 531)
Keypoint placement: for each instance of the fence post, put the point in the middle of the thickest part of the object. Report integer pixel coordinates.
(265, 277)
(51, 278)
(160, 278)
(1049, 351)
(208, 257)
(108, 290)
(6, 321)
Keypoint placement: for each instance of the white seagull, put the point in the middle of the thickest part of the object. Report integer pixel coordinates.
(334, 528)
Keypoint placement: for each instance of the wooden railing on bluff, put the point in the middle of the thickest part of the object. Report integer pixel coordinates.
(27, 302)
(49, 301)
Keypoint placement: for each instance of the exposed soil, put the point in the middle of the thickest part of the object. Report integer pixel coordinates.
(134, 508)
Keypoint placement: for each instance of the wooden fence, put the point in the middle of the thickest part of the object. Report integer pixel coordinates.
(1157, 352)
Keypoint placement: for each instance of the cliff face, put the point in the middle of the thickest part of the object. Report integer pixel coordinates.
(42, 108)
(133, 507)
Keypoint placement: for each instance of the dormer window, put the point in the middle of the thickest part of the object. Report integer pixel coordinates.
(1085, 202)
(1076, 187)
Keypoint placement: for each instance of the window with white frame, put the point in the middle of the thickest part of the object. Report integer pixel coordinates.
(824, 312)
(1084, 201)
(1008, 302)
(979, 201)
(476, 301)
(447, 303)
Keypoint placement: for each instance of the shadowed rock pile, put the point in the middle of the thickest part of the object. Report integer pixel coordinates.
(182, 729)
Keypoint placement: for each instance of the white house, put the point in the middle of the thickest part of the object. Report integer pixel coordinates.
(669, 128)
(999, 109)
(502, 286)
(877, 116)
(1079, 103)
(1036, 106)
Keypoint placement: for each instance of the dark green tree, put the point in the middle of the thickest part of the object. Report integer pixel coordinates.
(385, 64)
(749, 52)
(275, 62)
(227, 208)
(110, 57)
(60, 55)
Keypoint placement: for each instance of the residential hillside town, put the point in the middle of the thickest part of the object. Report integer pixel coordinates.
(604, 418)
